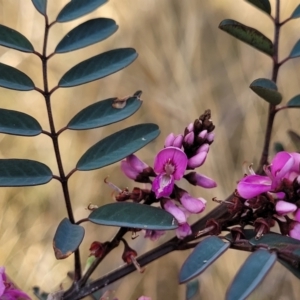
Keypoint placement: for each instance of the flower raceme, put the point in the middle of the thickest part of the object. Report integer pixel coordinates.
(281, 183)
(181, 152)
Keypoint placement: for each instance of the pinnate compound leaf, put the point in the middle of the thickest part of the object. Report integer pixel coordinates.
(67, 239)
(266, 89)
(251, 274)
(295, 51)
(295, 137)
(248, 35)
(192, 289)
(78, 8)
(296, 13)
(18, 123)
(13, 39)
(98, 67)
(103, 113)
(133, 215)
(294, 102)
(204, 254)
(40, 5)
(23, 172)
(14, 79)
(117, 146)
(264, 5)
(88, 33)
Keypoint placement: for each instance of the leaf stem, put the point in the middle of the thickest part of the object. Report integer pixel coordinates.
(54, 137)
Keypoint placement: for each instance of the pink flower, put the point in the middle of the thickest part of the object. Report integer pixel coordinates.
(191, 204)
(170, 164)
(283, 207)
(282, 166)
(294, 230)
(174, 210)
(132, 166)
(144, 298)
(200, 180)
(183, 230)
(197, 160)
(173, 140)
(7, 290)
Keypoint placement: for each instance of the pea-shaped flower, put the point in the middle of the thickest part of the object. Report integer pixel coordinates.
(170, 165)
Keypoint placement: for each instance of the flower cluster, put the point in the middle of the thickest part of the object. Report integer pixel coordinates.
(279, 190)
(7, 289)
(181, 152)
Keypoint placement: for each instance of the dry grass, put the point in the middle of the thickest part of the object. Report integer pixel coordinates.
(185, 66)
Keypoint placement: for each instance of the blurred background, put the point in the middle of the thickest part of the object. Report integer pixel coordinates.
(185, 65)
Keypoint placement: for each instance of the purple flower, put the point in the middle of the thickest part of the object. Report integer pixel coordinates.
(282, 166)
(283, 207)
(132, 166)
(183, 230)
(294, 230)
(197, 160)
(200, 180)
(7, 290)
(170, 164)
(192, 205)
(174, 210)
(174, 141)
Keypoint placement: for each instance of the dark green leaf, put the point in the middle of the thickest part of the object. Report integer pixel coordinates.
(23, 172)
(98, 67)
(117, 146)
(88, 33)
(13, 39)
(18, 123)
(14, 79)
(78, 8)
(250, 275)
(294, 102)
(267, 90)
(205, 253)
(278, 147)
(295, 51)
(291, 268)
(295, 139)
(192, 289)
(264, 5)
(296, 13)
(103, 113)
(67, 239)
(133, 215)
(40, 5)
(248, 35)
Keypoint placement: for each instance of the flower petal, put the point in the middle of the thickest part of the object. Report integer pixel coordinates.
(195, 178)
(283, 207)
(281, 164)
(169, 140)
(163, 185)
(191, 204)
(128, 170)
(197, 160)
(178, 214)
(253, 185)
(136, 163)
(183, 230)
(295, 230)
(178, 141)
(173, 156)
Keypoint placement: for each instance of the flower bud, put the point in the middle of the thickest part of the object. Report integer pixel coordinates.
(210, 137)
(183, 230)
(169, 140)
(200, 180)
(190, 127)
(178, 141)
(189, 138)
(294, 230)
(202, 134)
(174, 210)
(197, 160)
(284, 208)
(191, 204)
